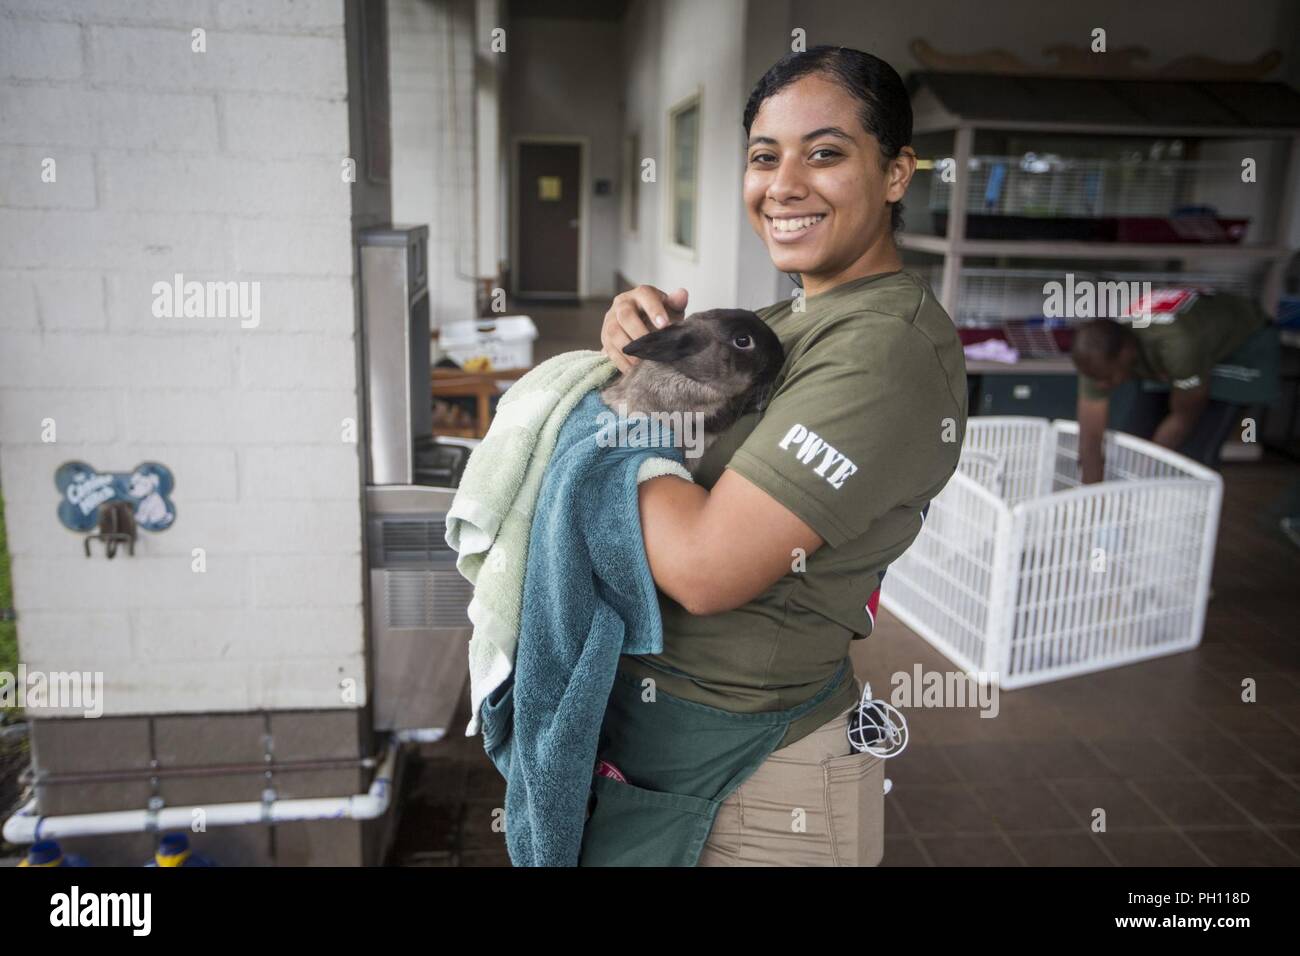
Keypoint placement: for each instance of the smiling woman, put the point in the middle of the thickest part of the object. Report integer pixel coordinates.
(769, 564)
(811, 211)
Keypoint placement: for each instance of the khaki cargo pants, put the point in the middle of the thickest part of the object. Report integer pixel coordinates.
(816, 802)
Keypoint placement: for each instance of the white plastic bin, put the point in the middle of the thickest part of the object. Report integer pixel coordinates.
(507, 341)
(1026, 575)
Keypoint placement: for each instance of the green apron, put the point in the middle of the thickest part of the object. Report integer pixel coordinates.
(682, 760)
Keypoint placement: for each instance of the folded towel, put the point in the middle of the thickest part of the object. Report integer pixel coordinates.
(992, 350)
(491, 515)
(588, 597)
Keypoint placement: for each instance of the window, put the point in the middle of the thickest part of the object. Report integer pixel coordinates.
(683, 173)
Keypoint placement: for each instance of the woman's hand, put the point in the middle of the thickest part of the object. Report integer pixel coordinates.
(631, 315)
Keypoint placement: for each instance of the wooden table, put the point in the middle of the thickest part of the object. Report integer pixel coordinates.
(481, 386)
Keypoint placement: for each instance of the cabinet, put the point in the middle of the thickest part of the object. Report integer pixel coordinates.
(1051, 395)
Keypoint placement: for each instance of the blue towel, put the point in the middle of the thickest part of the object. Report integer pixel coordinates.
(588, 597)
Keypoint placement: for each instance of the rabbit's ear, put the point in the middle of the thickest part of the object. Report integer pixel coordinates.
(668, 345)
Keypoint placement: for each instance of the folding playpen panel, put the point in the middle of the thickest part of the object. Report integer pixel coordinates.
(1105, 574)
(1022, 571)
(944, 585)
(1018, 443)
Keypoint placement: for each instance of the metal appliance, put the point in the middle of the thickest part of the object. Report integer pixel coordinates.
(420, 627)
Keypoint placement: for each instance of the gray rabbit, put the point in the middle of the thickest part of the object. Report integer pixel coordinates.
(717, 364)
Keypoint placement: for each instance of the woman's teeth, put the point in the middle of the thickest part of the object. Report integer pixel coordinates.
(795, 225)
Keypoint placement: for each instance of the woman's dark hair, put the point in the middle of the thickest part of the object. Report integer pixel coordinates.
(885, 108)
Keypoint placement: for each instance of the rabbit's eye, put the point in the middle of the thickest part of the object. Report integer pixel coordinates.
(743, 342)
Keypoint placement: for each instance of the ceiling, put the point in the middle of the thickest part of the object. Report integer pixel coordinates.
(568, 9)
(1138, 103)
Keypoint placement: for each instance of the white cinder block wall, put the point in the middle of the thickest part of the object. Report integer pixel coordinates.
(431, 78)
(223, 165)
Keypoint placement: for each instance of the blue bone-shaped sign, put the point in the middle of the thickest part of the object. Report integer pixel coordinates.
(82, 490)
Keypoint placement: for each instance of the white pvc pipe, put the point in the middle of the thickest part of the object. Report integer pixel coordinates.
(26, 826)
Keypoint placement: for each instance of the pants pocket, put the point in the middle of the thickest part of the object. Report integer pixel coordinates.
(633, 826)
(497, 717)
(855, 806)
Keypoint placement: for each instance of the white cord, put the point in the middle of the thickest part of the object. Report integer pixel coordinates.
(877, 727)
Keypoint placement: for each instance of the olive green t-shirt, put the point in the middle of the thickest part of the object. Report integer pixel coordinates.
(864, 427)
(1182, 348)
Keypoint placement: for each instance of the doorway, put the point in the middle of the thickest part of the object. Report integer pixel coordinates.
(550, 219)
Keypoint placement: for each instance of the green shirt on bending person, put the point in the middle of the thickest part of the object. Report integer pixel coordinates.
(1178, 349)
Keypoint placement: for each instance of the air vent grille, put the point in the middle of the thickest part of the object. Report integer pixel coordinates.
(427, 599)
(408, 540)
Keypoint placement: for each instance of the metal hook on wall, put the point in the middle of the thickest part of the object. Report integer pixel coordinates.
(116, 526)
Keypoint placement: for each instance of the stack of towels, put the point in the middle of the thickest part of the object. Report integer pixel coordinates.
(547, 528)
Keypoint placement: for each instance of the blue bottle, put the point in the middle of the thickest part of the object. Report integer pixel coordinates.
(49, 853)
(174, 850)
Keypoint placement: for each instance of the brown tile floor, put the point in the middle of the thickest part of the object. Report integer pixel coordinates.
(1186, 773)
(561, 328)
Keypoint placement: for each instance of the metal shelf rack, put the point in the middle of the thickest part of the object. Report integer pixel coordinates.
(1040, 108)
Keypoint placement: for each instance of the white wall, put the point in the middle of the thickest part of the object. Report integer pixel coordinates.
(223, 166)
(767, 39)
(641, 42)
(489, 67)
(431, 78)
(674, 49)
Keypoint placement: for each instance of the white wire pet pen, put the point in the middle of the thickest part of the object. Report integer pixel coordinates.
(1024, 574)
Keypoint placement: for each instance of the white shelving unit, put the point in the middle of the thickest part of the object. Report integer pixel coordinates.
(1195, 111)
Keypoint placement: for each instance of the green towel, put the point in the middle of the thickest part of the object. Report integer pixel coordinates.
(490, 518)
(589, 597)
